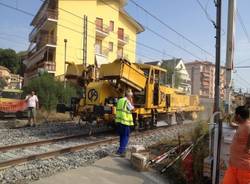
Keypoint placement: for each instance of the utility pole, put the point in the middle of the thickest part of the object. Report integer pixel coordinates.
(218, 123)
(65, 60)
(230, 52)
(85, 39)
(174, 73)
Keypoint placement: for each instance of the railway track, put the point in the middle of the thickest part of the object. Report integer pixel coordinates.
(84, 143)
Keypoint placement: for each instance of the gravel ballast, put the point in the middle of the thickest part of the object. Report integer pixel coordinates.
(37, 169)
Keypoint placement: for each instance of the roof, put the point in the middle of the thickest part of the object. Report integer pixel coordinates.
(38, 12)
(138, 26)
(4, 68)
(168, 62)
(196, 62)
(200, 62)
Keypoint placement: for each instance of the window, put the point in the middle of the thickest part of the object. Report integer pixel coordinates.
(111, 45)
(111, 25)
(120, 52)
(99, 24)
(98, 47)
(121, 33)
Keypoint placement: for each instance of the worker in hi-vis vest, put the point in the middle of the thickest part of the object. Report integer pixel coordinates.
(124, 120)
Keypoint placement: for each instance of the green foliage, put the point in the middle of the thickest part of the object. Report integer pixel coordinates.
(2, 83)
(200, 152)
(176, 174)
(12, 60)
(169, 76)
(50, 91)
(9, 59)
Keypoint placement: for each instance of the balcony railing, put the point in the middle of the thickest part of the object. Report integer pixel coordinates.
(123, 38)
(49, 15)
(46, 40)
(102, 30)
(48, 66)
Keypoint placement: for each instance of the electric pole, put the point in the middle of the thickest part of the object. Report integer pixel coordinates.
(230, 53)
(218, 123)
(65, 60)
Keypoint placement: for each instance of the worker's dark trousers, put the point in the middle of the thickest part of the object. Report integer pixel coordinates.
(123, 131)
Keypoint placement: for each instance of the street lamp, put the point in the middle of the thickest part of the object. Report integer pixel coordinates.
(65, 59)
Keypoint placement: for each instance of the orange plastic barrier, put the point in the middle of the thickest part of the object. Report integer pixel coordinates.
(13, 106)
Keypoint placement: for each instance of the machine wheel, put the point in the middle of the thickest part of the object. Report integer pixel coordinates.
(179, 118)
(169, 120)
(153, 122)
(194, 116)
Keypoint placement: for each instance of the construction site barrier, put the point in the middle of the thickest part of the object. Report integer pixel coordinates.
(13, 106)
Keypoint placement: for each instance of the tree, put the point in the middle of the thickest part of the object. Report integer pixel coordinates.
(50, 91)
(12, 60)
(9, 59)
(2, 83)
(21, 57)
(169, 77)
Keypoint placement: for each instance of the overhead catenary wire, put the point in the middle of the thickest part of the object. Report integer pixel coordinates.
(135, 41)
(243, 25)
(170, 28)
(206, 13)
(159, 35)
(242, 79)
(30, 14)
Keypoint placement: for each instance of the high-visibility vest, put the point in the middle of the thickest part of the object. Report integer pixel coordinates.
(123, 115)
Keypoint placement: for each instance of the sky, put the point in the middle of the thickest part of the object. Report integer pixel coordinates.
(185, 16)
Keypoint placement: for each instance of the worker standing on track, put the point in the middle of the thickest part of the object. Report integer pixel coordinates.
(238, 171)
(124, 120)
(32, 102)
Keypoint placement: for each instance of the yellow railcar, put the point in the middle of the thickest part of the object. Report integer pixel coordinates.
(153, 100)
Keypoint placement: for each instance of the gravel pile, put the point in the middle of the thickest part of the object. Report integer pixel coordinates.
(43, 168)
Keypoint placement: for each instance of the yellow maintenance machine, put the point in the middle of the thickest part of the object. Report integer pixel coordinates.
(153, 100)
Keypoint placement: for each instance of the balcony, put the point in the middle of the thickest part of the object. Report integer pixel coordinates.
(102, 57)
(102, 31)
(122, 39)
(38, 53)
(48, 66)
(205, 74)
(45, 23)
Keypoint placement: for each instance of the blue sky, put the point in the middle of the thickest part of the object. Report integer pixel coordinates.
(183, 15)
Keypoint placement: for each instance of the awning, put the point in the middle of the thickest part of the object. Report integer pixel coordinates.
(101, 59)
(35, 59)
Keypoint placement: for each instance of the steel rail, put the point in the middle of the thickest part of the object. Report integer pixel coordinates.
(50, 154)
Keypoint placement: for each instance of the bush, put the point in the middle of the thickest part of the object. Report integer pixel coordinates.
(3, 83)
(50, 91)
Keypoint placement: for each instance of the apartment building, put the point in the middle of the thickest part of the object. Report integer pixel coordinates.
(202, 74)
(96, 31)
(13, 81)
(178, 66)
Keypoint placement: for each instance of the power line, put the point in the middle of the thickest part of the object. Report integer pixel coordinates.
(206, 13)
(137, 42)
(243, 67)
(17, 9)
(170, 28)
(243, 25)
(176, 45)
(248, 83)
(159, 35)
(6, 39)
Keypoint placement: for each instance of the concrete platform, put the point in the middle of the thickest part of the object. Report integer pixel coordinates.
(110, 170)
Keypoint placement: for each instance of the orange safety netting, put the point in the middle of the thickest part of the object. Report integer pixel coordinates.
(13, 106)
